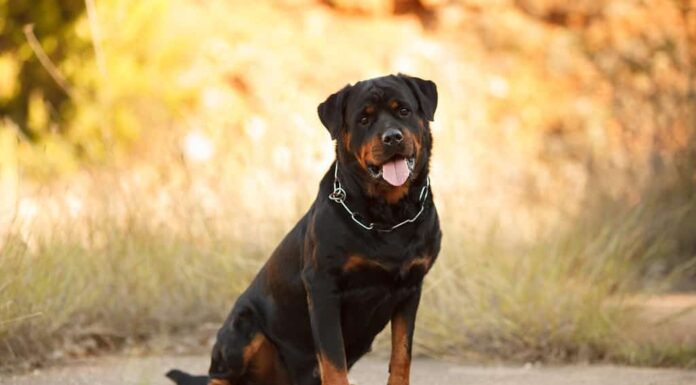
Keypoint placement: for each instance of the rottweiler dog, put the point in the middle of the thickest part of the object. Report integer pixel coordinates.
(357, 258)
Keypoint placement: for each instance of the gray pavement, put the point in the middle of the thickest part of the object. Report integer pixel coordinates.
(369, 371)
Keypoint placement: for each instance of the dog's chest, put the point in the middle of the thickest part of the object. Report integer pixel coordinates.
(371, 289)
(365, 277)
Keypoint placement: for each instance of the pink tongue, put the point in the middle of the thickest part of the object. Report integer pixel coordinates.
(395, 172)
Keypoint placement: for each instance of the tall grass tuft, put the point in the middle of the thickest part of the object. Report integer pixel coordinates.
(561, 297)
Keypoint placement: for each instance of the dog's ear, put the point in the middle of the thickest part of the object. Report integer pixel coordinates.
(426, 93)
(331, 111)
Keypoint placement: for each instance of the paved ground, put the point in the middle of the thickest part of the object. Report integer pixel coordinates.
(370, 371)
(667, 318)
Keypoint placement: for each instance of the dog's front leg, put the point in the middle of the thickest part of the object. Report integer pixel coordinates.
(403, 322)
(325, 315)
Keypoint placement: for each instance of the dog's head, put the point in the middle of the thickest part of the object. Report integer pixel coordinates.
(382, 131)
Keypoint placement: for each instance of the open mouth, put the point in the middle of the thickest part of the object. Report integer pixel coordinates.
(395, 171)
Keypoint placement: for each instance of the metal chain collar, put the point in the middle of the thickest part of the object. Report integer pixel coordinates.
(339, 195)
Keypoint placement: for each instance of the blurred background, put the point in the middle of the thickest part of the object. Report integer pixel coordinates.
(153, 153)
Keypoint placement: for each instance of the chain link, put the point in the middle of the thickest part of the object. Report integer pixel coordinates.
(339, 195)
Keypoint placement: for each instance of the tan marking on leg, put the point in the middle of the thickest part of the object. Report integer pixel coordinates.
(400, 362)
(218, 381)
(265, 367)
(253, 347)
(330, 374)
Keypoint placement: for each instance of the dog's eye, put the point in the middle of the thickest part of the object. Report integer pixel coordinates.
(364, 120)
(403, 111)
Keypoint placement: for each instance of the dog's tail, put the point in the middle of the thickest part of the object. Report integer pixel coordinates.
(182, 378)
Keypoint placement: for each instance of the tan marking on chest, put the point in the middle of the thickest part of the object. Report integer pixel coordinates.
(422, 262)
(358, 262)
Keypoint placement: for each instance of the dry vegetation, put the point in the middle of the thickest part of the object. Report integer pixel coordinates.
(563, 168)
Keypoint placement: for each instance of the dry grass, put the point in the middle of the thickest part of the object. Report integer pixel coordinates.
(113, 277)
(559, 298)
(134, 260)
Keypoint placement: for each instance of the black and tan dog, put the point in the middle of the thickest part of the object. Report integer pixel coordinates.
(354, 262)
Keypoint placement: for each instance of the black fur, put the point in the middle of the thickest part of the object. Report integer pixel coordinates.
(331, 286)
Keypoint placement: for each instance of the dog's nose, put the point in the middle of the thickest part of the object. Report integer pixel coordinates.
(392, 136)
